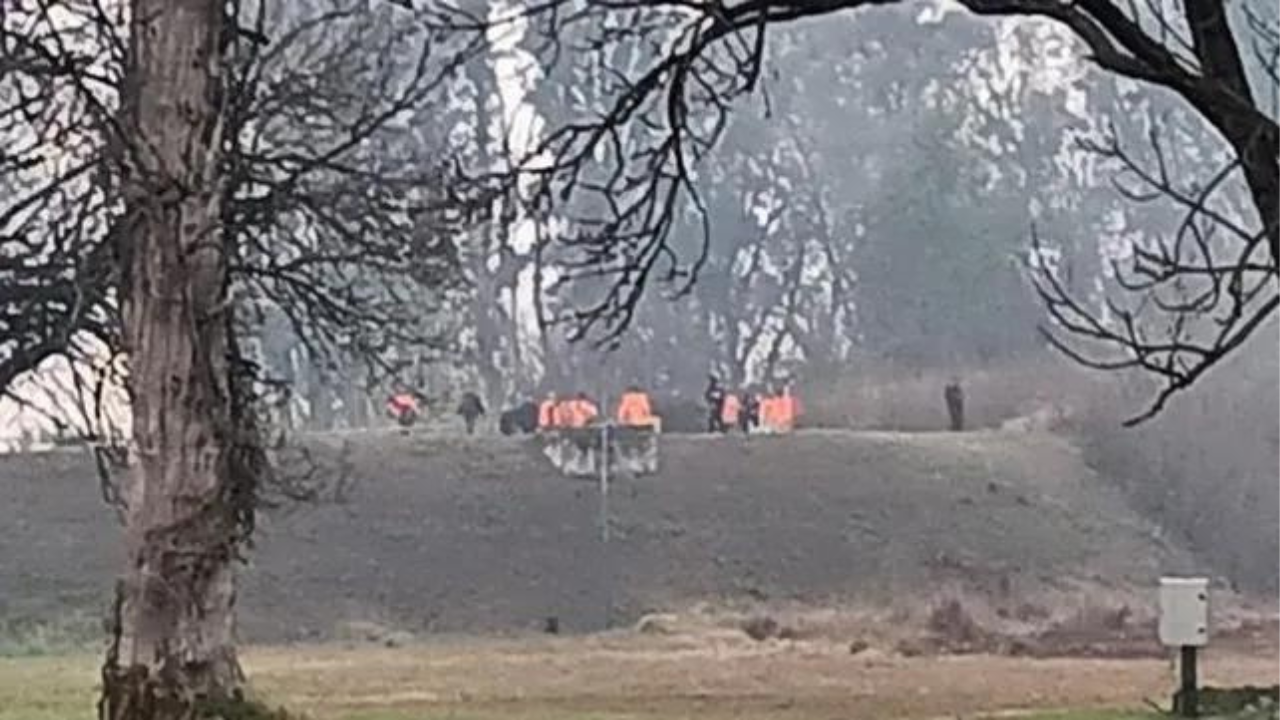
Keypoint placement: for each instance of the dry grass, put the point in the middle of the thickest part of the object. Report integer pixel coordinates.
(1204, 469)
(885, 398)
(714, 675)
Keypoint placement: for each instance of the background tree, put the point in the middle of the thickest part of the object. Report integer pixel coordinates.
(181, 176)
(622, 199)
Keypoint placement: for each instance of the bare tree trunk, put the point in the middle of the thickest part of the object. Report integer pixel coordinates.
(484, 306)
(173, 647)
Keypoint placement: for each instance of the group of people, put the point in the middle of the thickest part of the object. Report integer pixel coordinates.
(579, 411)
(405, 407)
(575, 411)
(774, 411)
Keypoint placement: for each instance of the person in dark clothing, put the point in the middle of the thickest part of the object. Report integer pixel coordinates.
(749, 415)
(471, 408)
(953, 394)
(714, 396)
(522, 419)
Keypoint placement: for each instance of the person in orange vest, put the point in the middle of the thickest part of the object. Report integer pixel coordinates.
(768, 411)
(634, 409)
(567, 412)
(797, 407)
(730, 409)
(774, 411)
(403, 407)
(579, 412)
(548, 413)
(588, 411)
(788, 409)
(779, 410)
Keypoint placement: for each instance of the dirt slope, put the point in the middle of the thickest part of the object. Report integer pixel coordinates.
(452, 534)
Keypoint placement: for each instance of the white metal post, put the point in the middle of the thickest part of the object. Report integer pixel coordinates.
(604, 482)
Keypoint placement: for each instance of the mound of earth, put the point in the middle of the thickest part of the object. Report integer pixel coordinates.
(460, 534)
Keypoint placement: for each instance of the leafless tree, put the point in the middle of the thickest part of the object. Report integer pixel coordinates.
(628, 172)
(172, 172)
(1186, 300)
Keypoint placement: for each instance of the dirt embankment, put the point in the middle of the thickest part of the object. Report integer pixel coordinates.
(452, 534)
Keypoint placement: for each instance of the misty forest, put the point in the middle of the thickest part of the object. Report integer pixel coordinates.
(330, 326)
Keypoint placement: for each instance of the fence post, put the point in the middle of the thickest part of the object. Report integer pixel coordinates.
(604, 482)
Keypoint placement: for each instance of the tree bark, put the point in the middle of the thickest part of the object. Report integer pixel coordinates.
(173, 647)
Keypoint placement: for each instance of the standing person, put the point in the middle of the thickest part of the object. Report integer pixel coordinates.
(953, 395)
(769, 410)
(583, 411)
(730, 412)
(509, 420)
(788, 408)
(549, 413)
(714, 396)
(749, 416)
(634, 408)
(471, 408)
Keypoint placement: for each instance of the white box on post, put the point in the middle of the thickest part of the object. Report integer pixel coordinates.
(1184, 611)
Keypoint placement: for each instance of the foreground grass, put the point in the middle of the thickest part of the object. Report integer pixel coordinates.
(644, 679)
(1254, 713)
(454, 714)
(48, 688)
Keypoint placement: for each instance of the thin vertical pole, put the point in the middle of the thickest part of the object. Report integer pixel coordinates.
(1189, 693)
(604, 482)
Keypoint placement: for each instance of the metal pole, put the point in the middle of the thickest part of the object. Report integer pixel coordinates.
(1189, 693)
(604, 482)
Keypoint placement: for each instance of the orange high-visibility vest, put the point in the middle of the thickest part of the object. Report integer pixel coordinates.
(587, 412)
(769, 415)
(730, 409)
(577, 413)
(634, 410)
(547, 414)
(402, 403)
(790, 409)
(563, 413)
(785, 412)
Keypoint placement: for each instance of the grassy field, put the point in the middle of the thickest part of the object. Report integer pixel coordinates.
(483, 535)
(647, 678)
